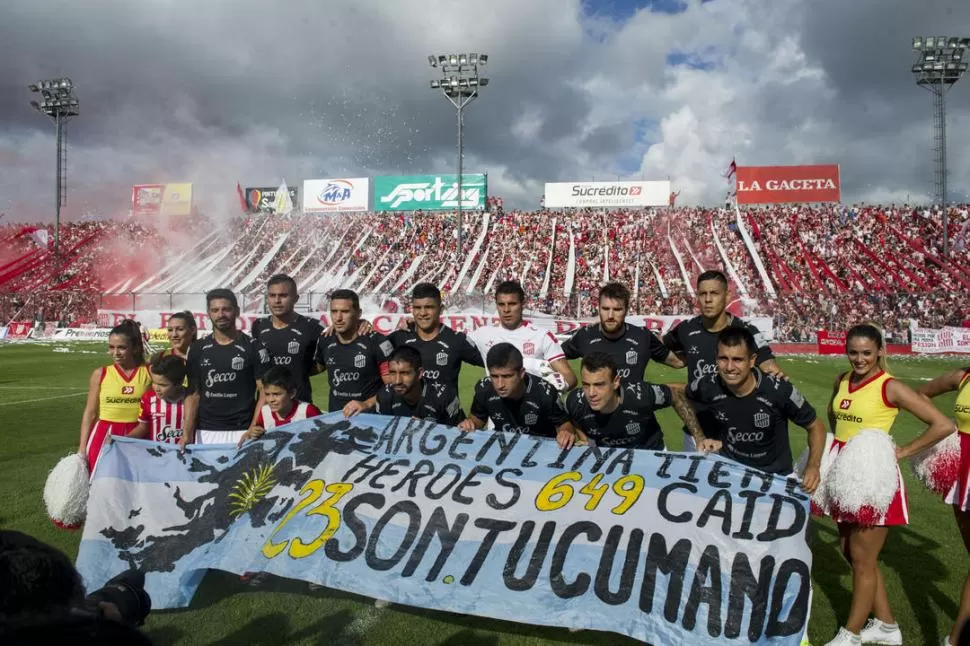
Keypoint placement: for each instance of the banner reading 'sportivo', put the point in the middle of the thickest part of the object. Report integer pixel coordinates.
(429, 192)
(668, 548)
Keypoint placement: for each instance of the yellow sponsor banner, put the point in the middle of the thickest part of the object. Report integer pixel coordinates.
(158, 335)
(177, 199)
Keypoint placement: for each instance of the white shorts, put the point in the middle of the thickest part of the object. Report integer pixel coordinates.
(218, 437)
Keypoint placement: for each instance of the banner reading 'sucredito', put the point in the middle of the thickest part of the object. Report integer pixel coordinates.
(780, 184)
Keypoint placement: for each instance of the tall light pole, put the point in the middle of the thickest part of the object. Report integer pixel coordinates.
(61, 105)
(941, 64)
(459, 83)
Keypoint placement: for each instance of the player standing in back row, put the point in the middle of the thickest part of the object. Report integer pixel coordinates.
(695, 340)
(538, 347)
(225, 370)
(630, 346)
(290, 338)
(442, 349)
(356, 364)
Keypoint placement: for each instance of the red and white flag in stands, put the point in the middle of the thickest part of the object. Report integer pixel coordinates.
(732, 170)
(242, 198)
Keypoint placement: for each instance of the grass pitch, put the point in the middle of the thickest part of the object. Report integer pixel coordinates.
(42, 391)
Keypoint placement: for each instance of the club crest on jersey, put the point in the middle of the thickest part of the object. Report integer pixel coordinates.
(845, 403)
(441, 358)
(761, 419)
(127, 390)
(293, 347)
(529, 348)
(632, 428)
(631, 357)
(238, 363)
(360, 361)
(530, 419)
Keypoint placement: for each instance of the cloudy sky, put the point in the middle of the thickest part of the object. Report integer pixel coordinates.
(223, 90)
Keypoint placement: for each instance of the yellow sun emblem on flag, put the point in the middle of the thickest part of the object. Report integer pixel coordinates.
(250, 489)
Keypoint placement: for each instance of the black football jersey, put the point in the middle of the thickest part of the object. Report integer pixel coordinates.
(441, 358)
(353, 369)
(633, 423)
(539, 412)
(225, 377)
(631, 352)
(754, 428)
(438, 402)
(292, 347)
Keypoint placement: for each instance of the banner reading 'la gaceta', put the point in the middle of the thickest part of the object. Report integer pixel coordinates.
(606, 194)
(668, 548)
(429, 192)
(781, 184)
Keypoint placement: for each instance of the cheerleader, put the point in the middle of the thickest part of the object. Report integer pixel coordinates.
(868, 397)
(114, 392)
(959, 495)
(182, 331)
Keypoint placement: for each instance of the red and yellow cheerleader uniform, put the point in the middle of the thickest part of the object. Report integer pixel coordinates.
(119, 402)
(960, 493)
(866, 406)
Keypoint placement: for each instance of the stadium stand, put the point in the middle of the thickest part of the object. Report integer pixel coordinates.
(809, 267)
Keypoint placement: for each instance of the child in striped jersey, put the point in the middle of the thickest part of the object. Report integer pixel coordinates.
(282, 406)
(162, 407)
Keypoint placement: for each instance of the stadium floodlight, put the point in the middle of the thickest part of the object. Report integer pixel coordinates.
(459, 83)
(61, 105)
(939, 67)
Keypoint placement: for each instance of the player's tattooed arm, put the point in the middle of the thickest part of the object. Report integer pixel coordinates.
(675, 360)
(684, 409)
(771, 367)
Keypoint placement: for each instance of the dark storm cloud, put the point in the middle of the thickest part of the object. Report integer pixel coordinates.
(221, 90)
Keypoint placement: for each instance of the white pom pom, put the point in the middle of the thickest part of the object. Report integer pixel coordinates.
(938, 467)
(66, 492)
(820, 503)
(863, 479)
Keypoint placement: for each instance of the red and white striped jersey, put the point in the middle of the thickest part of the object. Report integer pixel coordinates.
(165, 418)
(300, 411)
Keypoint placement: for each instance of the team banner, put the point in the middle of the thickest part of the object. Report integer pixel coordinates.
(942, 341)
(262, 199)
(81, 334)
(336, 195)
(606, 194)
(830, 342)
(429, 192)
(386, 323)
(667, 548)
(146, 199)
(177, 199)
(779, 184)
(161, 199)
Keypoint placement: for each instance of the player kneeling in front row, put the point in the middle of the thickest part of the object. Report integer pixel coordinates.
(750, 411)
(282, 406)
(615, 414)
(409, 394)
(516, 401)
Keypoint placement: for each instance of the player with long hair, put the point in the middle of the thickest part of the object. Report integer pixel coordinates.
(959, 495)
(868, 397)
(115, 391)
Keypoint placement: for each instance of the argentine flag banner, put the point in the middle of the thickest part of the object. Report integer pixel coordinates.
(668, 548)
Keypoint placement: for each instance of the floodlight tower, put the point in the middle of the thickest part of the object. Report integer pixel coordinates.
(460, 84)
(941, 64)
(61, 105)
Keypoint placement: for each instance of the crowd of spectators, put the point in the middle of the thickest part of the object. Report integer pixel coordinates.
(828, 266)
